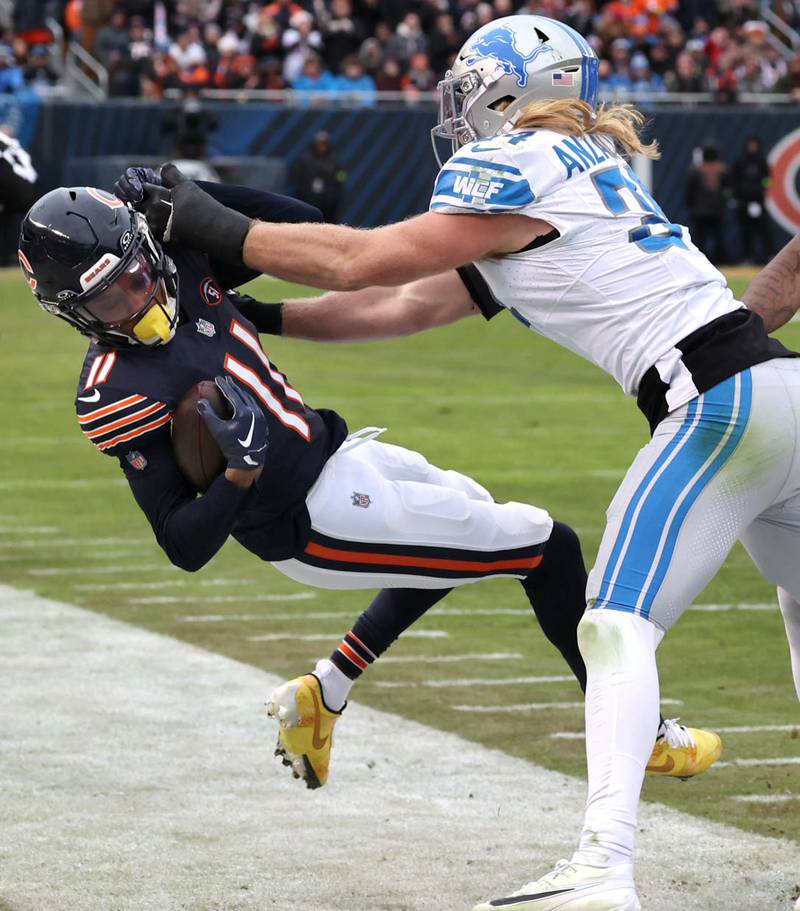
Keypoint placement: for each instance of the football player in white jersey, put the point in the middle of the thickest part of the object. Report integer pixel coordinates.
(540, 197)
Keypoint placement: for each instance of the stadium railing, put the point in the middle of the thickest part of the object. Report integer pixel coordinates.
(304, 99)
(82, 72)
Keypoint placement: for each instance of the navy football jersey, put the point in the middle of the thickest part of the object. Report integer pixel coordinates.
(125, 401)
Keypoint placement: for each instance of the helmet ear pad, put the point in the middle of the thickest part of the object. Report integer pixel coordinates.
(490, 121)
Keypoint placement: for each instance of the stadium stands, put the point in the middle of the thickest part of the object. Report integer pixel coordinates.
(357, 47)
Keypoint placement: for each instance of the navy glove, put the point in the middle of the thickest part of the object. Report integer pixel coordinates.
(149, 191)
(243, 438)
(156, 206)
(130, 186)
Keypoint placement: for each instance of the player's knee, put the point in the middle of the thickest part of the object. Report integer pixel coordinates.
(609, 637)
(563, 544)
(595, 635)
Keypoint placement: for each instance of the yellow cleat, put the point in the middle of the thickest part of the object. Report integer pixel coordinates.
(305, 736)
(683, 752)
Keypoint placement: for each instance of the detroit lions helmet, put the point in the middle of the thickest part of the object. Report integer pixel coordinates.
(92, 261)
(506, 65)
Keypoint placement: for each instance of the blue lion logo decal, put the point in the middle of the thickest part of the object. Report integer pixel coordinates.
(500, 43)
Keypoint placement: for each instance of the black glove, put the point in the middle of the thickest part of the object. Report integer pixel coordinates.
(243, 438)
(196, 221)
(130, 186)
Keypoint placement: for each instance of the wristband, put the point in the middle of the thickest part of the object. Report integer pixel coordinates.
(201, 223)
(266, 318)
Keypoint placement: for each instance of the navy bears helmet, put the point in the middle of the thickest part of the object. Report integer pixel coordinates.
(92, 261)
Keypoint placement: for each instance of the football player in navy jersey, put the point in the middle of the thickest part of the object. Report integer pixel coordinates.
(326, 508)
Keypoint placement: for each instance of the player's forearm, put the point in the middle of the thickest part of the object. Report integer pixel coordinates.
(191, 531)
(327, 256)
(342, 316)
(378, 313)
(774, 294)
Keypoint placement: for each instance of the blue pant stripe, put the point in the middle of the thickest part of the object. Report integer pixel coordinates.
(637, 496)
(659, 502)
(739, 423)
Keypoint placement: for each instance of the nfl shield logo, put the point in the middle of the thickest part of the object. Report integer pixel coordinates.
(360, 499)
(136, 460)
(204, 327)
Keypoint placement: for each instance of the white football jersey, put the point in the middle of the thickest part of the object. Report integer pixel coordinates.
(621, 284)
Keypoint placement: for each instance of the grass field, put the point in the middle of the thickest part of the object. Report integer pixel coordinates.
(529, 421)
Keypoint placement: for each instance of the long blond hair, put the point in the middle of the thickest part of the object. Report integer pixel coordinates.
(575, 118)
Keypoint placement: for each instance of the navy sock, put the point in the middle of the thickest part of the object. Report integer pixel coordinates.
(392, 611)
(557, 592)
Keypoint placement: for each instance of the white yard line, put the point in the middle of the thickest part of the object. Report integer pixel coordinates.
(128, 586)
(515, 708)
(273, 615)
(121, 569)
(29, 529)
(449, 659)
(532, 706)
(738, 729)
(172, 583)
(468, 681)
(224, 599)
(764, 798)
(330, 637)
(137, 775)
(480, 612)
(717, 608)
(47, 484)
(22, 543)
(778, 761)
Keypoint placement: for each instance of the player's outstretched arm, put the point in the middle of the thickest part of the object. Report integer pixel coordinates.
(334, 257)
(377, 312)
(340, 258)
(774, 294)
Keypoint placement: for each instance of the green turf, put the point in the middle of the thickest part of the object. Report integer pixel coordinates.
(528, 420)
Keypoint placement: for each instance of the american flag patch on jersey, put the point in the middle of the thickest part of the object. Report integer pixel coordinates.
(563, 79)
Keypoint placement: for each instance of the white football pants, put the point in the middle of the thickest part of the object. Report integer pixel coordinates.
(724, 466)
(384, 517)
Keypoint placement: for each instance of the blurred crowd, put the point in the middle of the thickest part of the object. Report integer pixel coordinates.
(715, 190)
(646, 47)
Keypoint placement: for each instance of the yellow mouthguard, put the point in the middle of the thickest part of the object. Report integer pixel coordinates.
(154, 326)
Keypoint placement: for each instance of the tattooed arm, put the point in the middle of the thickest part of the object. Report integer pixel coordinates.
(774, 294)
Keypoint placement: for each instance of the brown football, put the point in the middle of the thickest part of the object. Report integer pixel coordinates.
(196, 451)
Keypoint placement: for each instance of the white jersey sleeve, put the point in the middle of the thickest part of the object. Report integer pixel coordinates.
(514, 173)
(482, 177)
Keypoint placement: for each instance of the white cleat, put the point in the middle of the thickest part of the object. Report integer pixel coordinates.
(573, 887)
